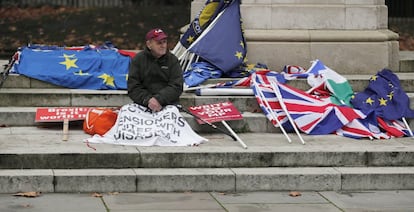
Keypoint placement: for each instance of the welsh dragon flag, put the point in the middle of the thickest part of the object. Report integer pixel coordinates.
(328, 84)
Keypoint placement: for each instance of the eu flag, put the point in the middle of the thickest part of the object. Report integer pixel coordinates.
(222, 43)
(385, 96)
(202, 20)
(87, 68)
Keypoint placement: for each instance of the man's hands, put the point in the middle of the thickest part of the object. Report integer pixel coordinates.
(154, 105)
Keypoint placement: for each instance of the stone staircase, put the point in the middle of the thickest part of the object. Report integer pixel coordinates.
(20, 96)
(33, 157)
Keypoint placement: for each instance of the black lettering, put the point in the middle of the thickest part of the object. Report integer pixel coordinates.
(117, 136)
(149, 122)
(136, 120)
(166, 115)
(181, 121)
(176, 132)
(131, 109)
(127, 118)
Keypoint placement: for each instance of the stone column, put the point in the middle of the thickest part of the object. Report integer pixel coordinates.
(350, 36)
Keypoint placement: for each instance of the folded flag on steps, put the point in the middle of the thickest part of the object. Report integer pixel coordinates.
(385, 96)
(81, 68)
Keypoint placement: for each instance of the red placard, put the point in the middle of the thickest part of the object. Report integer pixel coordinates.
(216, 112)
(60, 114)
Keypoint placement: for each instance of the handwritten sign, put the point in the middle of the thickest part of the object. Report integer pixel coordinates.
(216, 112)
(60, 114)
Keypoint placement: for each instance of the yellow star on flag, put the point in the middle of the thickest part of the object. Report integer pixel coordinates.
(239, 55)
(190, 39)
(250, 66)
(373, 78)
(369, 101)
(69, 63)
(383, 101)
(242, 44)
(107, 79)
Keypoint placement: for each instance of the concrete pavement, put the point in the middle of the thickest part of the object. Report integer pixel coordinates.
(36, 159)
(395, 200)
(46, 140)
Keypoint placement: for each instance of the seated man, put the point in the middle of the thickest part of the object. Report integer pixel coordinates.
(155, 76)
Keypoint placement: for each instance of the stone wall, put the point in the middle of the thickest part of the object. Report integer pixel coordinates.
(350, 36)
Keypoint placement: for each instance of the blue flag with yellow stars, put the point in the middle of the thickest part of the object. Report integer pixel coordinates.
(84, 68)
(202, 20)
(384, 96)
(222, 43)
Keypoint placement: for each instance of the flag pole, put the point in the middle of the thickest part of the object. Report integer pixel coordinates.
(271, 112)
(199, 87)
(180, 107)
(178, 47)
(282, 104)
(408, 127)
(190, 61)
(234, 134)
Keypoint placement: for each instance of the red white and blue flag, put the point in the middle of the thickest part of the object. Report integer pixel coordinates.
(311, 115)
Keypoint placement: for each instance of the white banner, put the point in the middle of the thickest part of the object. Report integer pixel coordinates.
(137, 125)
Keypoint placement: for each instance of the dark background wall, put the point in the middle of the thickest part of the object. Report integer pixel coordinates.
(400, 8)
(124, 22)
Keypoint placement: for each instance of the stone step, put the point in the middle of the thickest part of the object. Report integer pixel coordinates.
(19, 97)
(407, 61)
(207, 179)
(36, 159)
(79, 97)
(251, 122)
(358, 82)
(43, 148)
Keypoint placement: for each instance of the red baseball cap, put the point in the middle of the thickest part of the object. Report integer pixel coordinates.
(156, 34)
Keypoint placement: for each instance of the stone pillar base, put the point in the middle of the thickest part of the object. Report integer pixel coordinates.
(349, 36)
(345, 51)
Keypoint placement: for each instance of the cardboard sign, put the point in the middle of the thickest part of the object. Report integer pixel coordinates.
(60, 114)
(216, 112)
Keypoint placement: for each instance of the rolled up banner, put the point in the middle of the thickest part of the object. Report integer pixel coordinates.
(224, 92)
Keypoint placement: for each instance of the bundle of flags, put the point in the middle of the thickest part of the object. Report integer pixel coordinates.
(325, 82)
(84, 67)
(215, 36)
(386, 100)
(330, 106)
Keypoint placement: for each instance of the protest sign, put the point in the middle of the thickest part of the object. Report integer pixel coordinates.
(216, 112)
(60, 114)
(138, 125)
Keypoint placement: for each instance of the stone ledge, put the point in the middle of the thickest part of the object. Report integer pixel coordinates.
(312, 2)
(280, 35)
(208, 179)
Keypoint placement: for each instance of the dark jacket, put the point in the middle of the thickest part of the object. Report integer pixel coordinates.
(161, 78)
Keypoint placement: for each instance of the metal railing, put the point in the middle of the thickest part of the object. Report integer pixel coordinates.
(91, 3)
(400, 8)
(401, 15)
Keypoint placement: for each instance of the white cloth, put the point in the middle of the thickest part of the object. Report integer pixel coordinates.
(137, 125)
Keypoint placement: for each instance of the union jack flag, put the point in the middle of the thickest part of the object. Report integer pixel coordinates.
(393, 128)
(311, 115)
(363, 128)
